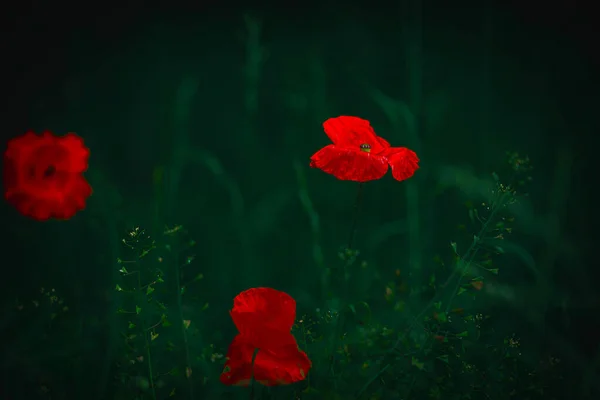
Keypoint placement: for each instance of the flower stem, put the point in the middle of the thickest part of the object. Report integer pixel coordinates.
(183, 329)
(357, 204)
(339, 327)
(147, 343)
(252, 374)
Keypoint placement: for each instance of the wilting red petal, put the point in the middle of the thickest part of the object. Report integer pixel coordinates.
(349, 164)
(42, 175)
(272, 367)
(404, 162)
(265, 315)
(345, 131)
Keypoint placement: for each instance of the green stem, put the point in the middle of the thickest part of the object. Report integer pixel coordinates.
(145, 333)
(183, 328)
(342, 309)
(468, 258)
(252, 374)
(366, 385)
(357, 204)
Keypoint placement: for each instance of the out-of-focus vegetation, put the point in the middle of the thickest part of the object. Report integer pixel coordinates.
(467, 281)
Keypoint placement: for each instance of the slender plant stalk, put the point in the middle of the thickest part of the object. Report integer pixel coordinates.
(341, 319)
(252, 374)
(145, 332)
(467, 260)
(357, 205)
(183, 327)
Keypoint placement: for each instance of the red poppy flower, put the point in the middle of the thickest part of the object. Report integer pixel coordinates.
(272, 366)
(265, 316)
(43, 175)
(358, 154)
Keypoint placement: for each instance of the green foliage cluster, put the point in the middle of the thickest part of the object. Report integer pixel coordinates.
(29, 325)
(448, 349)
(155, 331)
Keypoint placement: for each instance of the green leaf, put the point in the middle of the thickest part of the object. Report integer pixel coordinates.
(437, 305)
(161, 305)
(123, 270)
(443, 358)
(182, 291)
(204, 307)
(462, 334)
(453, 245)
(145, 252)
(149, 290)
(153, 335)
(198, 277)
(159, 279)
(138, 309)
(118, 288)
(432, 280)
(493, 271)
(434, 393)
(121, 311)
(495, 176)
(442, 317)
(165, 321)
(415, 362)
(461, 290)
(131, 325)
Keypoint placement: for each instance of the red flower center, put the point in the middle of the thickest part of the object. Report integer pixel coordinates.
(43, 163)
(47, 172)
(50, 170)
(366, 147)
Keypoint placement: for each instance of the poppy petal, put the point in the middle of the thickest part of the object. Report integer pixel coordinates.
(53, 203)
(404, 162)
(238, 367)
(281, 366)
(384, 143)
(42, 175)
(346, 131)
(265, 314)
(349, 164)
(272, 367)
(78, 153)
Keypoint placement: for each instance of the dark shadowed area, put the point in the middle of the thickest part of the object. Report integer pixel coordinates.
(474, 279)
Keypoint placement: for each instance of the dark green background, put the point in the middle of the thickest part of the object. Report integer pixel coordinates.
(174, 91)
